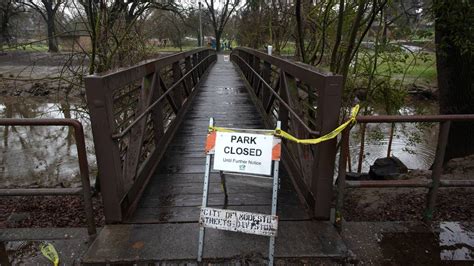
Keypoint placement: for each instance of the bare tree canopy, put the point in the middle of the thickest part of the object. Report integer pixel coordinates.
(8, 10)
(219, 16)
(48, 10)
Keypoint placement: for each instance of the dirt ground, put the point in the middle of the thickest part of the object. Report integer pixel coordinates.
(47, 211)
(49, 75)
(408, 204)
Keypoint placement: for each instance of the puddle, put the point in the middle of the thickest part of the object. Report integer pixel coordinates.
(453, 244)
(42, 156)
(228, 90)
(456, 241)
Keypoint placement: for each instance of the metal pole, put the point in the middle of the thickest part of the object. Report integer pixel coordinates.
(204, 199)
(200, 41)
(84, 170)
(4, 255)
(437, 169)
(82, 158)
(276, 181)
(341, 178)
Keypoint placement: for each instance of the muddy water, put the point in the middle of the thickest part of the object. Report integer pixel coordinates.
(42, 156)
(413, 143)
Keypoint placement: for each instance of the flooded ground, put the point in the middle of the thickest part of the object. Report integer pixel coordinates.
(42, 156)
(413, 143)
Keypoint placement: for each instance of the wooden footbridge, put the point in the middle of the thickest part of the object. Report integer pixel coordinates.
(150, 124)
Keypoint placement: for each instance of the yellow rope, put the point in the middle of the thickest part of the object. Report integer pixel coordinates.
(288, 136)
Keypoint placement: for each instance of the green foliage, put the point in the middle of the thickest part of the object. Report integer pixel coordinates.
(455, 17)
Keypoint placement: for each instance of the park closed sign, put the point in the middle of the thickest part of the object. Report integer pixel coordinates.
(243, 153)
(254, 153)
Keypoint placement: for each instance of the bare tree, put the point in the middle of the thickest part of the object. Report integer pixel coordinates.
(114, 31)
(48, 10)
(8, 9)
(220, 16)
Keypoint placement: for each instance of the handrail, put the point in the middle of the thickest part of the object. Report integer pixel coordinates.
(433, 185)
(285, 104)
(295, 69)
(82, 157)
(151, 106)
(159, 62)
(414, 118)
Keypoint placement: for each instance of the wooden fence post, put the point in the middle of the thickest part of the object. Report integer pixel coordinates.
(327, 118)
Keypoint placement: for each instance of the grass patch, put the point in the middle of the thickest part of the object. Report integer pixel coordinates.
(418, 67)
(157, 49)
(36, 47)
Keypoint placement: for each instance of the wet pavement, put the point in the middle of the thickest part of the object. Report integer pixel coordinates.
(369, 243)
(21, 246)
(410, 243)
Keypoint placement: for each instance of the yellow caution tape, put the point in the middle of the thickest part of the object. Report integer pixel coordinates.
(50, 253)
(220, 129)
(328, 136)
(288, 136)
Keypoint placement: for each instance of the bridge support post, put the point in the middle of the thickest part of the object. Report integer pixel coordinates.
(267, 72)
(100, 105)
(329, 104)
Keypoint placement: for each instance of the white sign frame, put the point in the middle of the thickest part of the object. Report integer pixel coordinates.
(273, 216)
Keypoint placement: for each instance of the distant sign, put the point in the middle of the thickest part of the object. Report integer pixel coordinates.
(237, 221)
(243, 152)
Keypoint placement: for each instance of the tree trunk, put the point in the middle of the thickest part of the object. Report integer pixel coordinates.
(299, 32)
(52, 40)
(218, 40)
(351, 41)
(455, 71)
(6, 37)
(335, 50)
(5, 34)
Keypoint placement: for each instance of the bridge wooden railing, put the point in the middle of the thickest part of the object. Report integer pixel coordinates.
(134, 113)
(307, 103)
